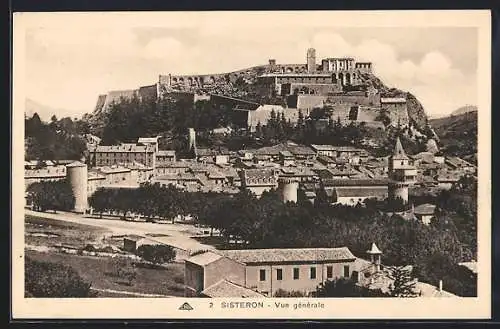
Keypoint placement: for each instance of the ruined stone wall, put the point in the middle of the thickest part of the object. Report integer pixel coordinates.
(358, 98)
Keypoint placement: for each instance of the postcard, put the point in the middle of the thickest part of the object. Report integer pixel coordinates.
(251, 165)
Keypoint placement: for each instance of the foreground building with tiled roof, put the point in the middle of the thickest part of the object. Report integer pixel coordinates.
(266, 271)
(254, 273)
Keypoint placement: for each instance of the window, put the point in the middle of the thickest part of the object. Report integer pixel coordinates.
(313, 272)
(262, 275)
(279, 274)
(329, 272)
(296, 273)
(346, 271)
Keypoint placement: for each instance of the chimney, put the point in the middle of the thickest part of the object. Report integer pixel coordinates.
(440, 285)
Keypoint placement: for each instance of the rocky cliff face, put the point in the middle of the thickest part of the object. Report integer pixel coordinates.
(416, 111)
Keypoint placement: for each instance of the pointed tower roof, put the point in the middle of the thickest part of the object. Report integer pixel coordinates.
(374, 250)
(399, 152)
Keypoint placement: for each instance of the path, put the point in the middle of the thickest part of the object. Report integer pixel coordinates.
(178, 235)
(131, 293)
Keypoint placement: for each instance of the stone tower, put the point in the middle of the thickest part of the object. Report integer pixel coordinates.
(402, 173)
(77, 175)
(375, 257)
(311, 60)
(288, 187)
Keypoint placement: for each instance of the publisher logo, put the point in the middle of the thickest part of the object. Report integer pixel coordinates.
(185, 307)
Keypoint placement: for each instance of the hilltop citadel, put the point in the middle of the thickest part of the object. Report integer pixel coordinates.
(344, 85)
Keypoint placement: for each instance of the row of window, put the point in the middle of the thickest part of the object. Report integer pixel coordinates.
(296, 273)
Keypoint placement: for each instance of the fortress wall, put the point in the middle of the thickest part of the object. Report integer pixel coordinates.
(367, 114)
(309, 102)
(148, 92)
(230, 103)
(316, 88)
(355, 99)
(341, 111)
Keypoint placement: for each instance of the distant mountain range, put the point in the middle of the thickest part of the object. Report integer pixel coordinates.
(458, 132)
(44, 112)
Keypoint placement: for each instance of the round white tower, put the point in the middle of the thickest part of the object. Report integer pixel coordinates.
(77, 175)
(288, 186)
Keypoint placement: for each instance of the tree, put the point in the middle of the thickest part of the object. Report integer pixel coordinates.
(101, 200)
(403, 284)
(156, 254)
(52, 195)
(345, 288)
(54, 280)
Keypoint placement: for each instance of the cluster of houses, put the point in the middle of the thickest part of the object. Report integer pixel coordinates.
(347, 174)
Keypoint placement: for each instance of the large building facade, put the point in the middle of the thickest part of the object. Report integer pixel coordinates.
(268, 270)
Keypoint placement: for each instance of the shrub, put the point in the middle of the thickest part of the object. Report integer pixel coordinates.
(293, 293)
(122, 269)
(56, 280)
(156, 254)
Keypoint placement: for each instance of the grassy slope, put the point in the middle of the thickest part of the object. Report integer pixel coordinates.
(165, 281)
(458, 134)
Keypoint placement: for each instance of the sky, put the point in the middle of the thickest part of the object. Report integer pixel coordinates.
(69, 62)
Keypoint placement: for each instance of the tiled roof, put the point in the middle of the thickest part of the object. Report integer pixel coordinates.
(204, 258)
(113, 169)
(428, 290)
(76, 164)
(323, 147)
(259, 173)
(392, 100)
(355, 182)
(165, 153)
(179, 176)
(125, 147)
(424, 209)
(228, 289)
(289, 255)
(345, 192)
(399, 152)
(470, 265)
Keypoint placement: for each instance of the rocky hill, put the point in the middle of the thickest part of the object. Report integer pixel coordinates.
(416, 111)
(457, 133)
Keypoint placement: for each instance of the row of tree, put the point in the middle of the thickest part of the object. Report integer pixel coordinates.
(51, 195)
(435, 250)
(129, 119)
(152, 201)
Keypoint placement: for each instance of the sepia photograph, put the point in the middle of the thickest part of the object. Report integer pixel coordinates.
(251, 164)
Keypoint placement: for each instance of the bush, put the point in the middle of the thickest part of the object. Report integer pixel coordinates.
(122, 269)
(156, 254)
(56, 280)
(293, 293)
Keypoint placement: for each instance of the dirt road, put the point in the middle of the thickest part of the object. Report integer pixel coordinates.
(177, 235)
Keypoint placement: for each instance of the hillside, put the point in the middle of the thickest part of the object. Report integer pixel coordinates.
(458, 134)
(465, 109)
(44, 112)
